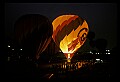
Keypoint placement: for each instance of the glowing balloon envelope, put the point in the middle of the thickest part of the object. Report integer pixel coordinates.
(69, 33)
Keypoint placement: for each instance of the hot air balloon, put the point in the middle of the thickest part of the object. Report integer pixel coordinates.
(33, 32)
(69, 33)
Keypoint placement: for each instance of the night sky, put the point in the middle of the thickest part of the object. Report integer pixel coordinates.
(101, 17)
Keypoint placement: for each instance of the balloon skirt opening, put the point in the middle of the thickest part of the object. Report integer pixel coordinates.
(68, 56)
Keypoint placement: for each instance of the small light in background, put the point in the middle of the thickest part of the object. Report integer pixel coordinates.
(19, 57)
(101, 61)
(109, 53)
(97, 59)
(8, 46)
(108, 50)
(91, 52)
(12, 49)
(60, 51)
(8, 58)
(21, 49)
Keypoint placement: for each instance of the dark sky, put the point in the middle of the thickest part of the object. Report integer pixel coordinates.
(101, 17)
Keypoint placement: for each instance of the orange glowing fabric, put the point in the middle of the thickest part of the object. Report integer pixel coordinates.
(69, 32)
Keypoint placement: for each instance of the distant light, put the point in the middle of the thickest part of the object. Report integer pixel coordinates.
(21, 49)
(8, 58)
(9, 46)
(97, 59)
(60, 51)
(90, 52)
(98, 53)
(108, 53)
(102, 61)
(12, 49)
(108, 50)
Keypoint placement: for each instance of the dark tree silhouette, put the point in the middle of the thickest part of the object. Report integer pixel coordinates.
(91, 36)
(101, 44)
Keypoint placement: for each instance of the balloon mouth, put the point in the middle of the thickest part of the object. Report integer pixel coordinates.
(68, 56)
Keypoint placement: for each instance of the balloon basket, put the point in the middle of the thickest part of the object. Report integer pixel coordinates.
(68, 60)
(68, 56)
